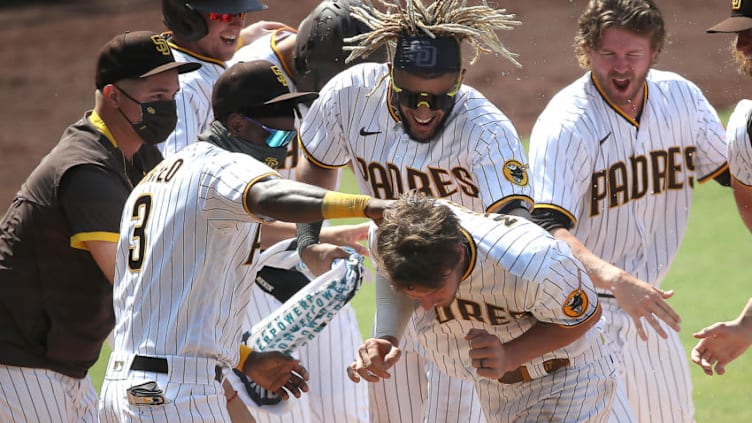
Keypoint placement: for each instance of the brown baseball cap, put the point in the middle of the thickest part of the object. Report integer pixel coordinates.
(740, 20)
(256, 89)
(136, 54)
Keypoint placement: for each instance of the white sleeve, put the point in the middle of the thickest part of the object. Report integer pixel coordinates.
(194, 115)
(739, 144)
(711, 144)
(560, 166)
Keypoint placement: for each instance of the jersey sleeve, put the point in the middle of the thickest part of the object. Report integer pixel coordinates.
(560, 167)
(194, 114)
(566, 295)
(321, 133)
(501, 166)
(226, 184)
(92, 199)
(711, 144)
(739, 144)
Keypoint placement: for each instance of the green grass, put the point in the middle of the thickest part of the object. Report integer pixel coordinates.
(711, 282)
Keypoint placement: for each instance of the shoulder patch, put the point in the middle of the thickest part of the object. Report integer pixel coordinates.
(576, 303)
(515, 172)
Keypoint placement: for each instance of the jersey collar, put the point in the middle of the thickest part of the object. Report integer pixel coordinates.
(101, 126)
(196, 55)
(472, 253)
(616, 108)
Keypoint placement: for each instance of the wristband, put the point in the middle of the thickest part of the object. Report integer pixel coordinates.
(245, 352)
(307, 234)
(337, 204)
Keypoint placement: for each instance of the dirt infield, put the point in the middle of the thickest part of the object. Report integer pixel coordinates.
(49, 48)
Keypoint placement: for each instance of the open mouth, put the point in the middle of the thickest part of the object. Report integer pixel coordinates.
(425, 121)
(621, 84)
(230, 39)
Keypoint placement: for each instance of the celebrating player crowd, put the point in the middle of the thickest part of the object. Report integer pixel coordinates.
(185, 217)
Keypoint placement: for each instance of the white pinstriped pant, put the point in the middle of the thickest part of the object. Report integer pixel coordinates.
(192, 394)
(29, 395)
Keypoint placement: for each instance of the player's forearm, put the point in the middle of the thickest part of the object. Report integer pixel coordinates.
(743, 197)
(542, 338)
(745, 318)
(393, 311)
(599, 270)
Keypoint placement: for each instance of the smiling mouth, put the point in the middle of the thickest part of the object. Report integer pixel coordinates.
(230, 39)
(423, 121)
(621, 84)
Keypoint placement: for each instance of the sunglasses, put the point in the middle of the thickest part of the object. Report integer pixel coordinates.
(226, 17)
(414, 100)
(275, 137)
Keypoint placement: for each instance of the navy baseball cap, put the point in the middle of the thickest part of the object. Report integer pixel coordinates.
(740, 20)
(256, 89)
(136, 54)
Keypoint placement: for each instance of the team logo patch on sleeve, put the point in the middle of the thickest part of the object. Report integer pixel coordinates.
(515, 172)
(576, 303)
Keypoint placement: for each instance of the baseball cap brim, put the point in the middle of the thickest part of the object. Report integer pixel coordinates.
(182, 67)
(294, 98)
(732, 24)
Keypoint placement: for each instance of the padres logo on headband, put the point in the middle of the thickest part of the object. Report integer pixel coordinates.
(515, 172)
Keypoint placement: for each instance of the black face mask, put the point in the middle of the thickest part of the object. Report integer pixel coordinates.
(158, 119)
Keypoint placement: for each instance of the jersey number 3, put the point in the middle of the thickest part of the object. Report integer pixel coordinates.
(140, 214)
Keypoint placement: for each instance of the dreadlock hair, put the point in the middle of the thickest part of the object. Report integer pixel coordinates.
(443, 18)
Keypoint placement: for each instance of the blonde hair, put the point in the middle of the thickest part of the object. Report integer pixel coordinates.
(476, 24)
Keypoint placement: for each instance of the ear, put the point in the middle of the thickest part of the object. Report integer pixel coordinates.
(111, 95)
(235, 124)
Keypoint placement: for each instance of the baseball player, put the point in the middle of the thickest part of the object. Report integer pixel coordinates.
(722, 342)
(309, 57)
(503, 304)
(57, 239)
(186, 259)
(615, 157)
(414, 124)
(205, 32)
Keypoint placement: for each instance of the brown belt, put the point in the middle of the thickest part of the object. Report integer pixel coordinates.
(521, 374)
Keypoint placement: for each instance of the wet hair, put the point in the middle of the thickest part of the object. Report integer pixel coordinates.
(638, 16)
(476, 24)
(417, 241)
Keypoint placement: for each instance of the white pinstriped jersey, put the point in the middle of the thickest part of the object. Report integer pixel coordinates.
(627, 185)
(518, 275)
(184, 265)
(193, 100)
(739, 146)
(477, 159)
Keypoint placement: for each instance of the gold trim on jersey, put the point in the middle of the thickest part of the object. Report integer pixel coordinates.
(472, 251)
(197, 55)
(616, 108)
(558, 209)
(577, 301)
(740, 182)
(248, 188)
(98, 123)
(714, 174)
(78, 241)
(498, 205)
(313, 160)
(280, 57)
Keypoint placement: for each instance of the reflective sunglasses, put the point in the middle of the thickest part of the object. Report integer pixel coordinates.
(275, 137)
(414, 100)
(226, 17)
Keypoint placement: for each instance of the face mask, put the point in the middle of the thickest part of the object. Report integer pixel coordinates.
(158, 119)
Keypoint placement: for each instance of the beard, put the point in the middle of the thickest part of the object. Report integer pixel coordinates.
(744, 64)
(439, 127)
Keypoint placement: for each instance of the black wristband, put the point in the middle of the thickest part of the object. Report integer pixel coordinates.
(308, 234)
